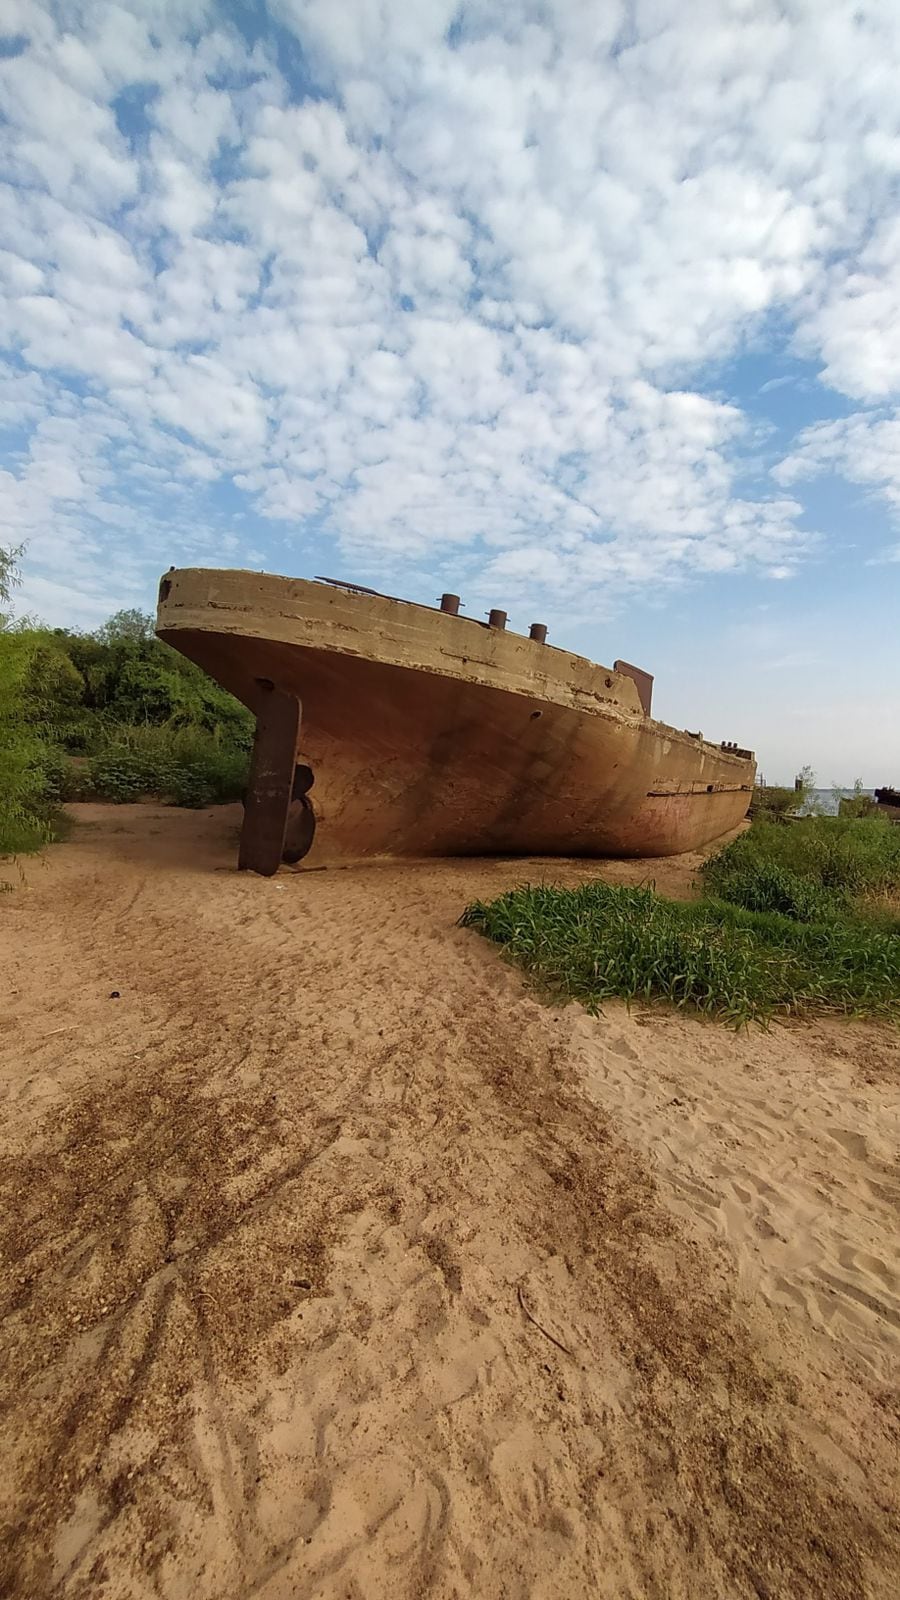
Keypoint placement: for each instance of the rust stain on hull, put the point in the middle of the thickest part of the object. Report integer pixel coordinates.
(429, 734)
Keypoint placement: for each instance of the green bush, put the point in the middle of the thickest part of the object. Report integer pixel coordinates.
(30, 764)
(131, 678)
(187, 766)
(774, 803)
(115, 715)
(857, 804)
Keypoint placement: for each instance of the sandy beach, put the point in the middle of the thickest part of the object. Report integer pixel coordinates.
(338, 1265)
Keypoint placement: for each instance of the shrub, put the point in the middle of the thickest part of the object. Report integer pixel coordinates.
(857, 804)
(138, 718)
(777, 804)
(29, 762)
(134, 679)
(774, 803)
(188, 766)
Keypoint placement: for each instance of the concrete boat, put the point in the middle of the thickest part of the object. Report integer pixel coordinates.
(386, 728)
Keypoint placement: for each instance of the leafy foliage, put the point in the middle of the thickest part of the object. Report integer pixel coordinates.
(132, 678)
(131, 626)
(112, 715)
(26, 800)
(857, 804)
(9, 577)
(767, 886)
(188, 766)
(774, 803)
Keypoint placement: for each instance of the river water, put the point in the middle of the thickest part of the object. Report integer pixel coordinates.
(825, 801)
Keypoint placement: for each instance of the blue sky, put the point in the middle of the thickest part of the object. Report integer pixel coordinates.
(588, 311)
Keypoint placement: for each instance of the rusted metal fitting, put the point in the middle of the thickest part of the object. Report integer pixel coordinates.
(538, 631)
(496, 619)
(450, 604)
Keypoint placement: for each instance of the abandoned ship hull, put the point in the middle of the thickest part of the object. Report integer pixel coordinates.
(428, 734)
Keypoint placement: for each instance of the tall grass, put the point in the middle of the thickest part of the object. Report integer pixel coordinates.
(796, 919)
(825, 861)
(600, 941)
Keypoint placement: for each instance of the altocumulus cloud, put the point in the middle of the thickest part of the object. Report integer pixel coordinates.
(445, 285)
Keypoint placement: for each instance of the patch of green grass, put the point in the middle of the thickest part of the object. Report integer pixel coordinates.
(598, 942)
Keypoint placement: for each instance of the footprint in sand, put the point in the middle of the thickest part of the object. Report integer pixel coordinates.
(621, 1047)
(862, 1262)
(853, 1143)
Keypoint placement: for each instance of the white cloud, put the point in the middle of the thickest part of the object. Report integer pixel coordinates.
(856, 324)
(863, 448)
(458, 302)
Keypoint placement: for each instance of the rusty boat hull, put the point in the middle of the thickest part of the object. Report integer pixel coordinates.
(421, 733)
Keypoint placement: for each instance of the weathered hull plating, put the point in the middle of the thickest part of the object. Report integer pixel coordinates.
(430, 734)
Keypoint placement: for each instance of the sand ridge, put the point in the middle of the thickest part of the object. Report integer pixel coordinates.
(335, 1264)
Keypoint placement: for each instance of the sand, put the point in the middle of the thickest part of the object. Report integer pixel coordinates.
(337, 1265)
